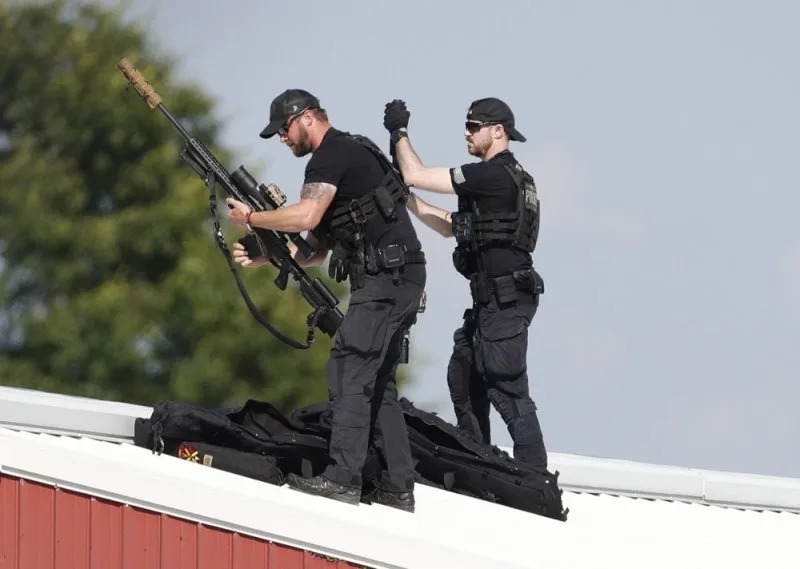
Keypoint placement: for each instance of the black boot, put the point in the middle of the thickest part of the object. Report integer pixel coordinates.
(400, 500)
(321, 486)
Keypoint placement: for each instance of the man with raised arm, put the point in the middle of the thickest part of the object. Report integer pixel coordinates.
(496, 227)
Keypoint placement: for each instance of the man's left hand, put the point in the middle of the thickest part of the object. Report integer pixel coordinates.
(238, 213)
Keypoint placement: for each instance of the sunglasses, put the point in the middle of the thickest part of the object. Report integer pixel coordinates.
(284, 129)
(474, 126)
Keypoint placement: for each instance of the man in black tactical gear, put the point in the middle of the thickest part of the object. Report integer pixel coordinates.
(496, 228)
(353, 203)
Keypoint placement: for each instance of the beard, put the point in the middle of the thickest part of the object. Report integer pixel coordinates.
(302, 146)
(478, 149)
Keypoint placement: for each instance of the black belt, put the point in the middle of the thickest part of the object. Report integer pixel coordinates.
(504, 287)
(392, 257)
(415, 258)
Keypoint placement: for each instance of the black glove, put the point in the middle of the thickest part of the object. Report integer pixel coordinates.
(339, 264)
(357, 270)
(396, 115)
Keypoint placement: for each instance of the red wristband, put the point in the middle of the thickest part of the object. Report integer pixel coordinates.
(247, 221)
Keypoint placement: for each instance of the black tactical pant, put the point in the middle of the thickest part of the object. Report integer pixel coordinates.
(489, 365)
(361, 380)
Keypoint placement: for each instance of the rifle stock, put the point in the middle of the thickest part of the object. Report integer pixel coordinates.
(241, 186)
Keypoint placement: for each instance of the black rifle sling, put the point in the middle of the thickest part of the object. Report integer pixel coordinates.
(219, 237)
(372, 147)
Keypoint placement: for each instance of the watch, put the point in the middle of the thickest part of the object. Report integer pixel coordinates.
(397, 135)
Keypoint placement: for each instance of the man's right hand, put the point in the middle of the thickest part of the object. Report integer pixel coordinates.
(396, 115)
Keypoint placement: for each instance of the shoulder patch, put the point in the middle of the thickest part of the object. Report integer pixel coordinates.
(458, 176)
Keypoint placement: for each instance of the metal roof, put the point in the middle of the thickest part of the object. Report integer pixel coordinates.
(622, 514)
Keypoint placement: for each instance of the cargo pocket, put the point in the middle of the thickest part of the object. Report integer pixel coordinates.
(363, 330)
(503, 344)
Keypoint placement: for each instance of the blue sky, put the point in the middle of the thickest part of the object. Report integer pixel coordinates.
(662, 136)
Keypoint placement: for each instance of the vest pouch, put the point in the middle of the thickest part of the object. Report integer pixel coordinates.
(385, 203)
(505, 289)
(391, 256)
(529, 281)
(462, 228)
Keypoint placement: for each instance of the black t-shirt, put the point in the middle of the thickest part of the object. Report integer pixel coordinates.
(490, 185)
(355, 171)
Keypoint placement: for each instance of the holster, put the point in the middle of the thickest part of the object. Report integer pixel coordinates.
(461, 261)
(479, 287)
(387, 206)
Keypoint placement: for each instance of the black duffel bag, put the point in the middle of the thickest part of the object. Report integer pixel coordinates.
(444, 457)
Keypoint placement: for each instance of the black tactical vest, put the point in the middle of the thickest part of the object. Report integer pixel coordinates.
(351, 255)
(474, 230)
(350, 218)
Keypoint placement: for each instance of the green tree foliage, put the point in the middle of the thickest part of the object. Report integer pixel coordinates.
(110, 283)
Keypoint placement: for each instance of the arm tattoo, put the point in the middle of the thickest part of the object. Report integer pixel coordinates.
(315, 190)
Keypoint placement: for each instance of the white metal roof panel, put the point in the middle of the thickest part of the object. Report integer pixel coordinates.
(633, 479)
(24, 409)
(377, 536)
(622, 514)
(39, 411)
(447, 530)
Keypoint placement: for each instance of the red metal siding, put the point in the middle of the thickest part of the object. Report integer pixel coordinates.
(36, 526)
(72, 516)
(178, 544)
(42, 527)
(9, 523)
(106, 537)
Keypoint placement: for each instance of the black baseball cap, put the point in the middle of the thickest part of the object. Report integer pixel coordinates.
(285, 106)
(492, 110)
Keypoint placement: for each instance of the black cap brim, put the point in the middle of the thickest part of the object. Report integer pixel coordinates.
(514, 134)
(271, 129)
